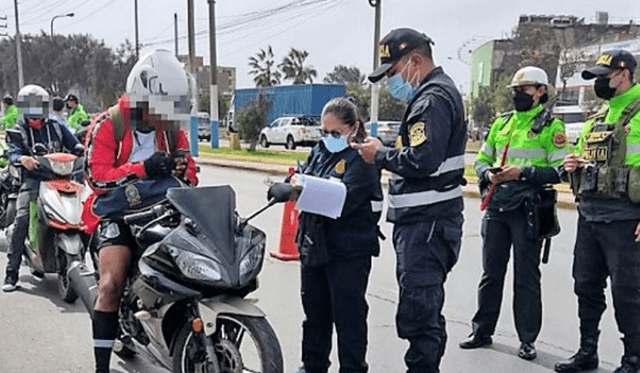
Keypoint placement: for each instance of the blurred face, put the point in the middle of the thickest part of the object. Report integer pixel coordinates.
(71, 104)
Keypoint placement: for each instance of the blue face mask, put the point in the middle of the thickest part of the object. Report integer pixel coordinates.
(400, 89)
(335, 144)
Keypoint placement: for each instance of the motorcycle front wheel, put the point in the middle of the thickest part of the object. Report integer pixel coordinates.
(241, 344)
(65, 288)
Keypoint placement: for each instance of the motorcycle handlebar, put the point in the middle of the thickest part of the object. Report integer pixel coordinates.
(144, 215)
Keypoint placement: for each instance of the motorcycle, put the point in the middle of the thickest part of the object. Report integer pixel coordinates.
(185, 299)
(9, 188)
(54, 239)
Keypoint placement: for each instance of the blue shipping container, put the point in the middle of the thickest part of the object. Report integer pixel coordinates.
(302, 99)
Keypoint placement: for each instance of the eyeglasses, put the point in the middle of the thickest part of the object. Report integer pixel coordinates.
(333, 133)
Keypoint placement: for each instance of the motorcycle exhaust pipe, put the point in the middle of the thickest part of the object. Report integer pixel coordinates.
(85, 284)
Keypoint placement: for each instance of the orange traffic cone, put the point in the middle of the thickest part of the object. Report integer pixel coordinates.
(288, 249)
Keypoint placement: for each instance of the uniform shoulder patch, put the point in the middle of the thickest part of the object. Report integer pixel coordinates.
(418, 133)
(341, 167)
(559, 139)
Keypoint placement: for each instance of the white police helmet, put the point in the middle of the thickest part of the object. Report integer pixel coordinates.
(158, 81)
(33, 101)
(529, 75)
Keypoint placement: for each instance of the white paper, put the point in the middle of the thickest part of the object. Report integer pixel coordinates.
(321, 196)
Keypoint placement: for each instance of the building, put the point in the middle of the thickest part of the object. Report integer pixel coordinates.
(226, 76)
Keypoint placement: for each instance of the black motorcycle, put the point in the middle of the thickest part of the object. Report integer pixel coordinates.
(9, 188)
(185, 299)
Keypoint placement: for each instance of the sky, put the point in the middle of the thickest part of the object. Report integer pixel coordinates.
(334, 32)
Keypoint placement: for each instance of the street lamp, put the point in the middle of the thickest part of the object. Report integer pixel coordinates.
(59, 16)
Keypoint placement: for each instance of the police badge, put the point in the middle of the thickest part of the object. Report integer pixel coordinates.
(133, 195)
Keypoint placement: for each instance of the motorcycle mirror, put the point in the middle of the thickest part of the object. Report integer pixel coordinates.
(281, 192)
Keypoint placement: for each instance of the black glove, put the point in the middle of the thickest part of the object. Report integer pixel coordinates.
(158, 165)
(281, 192)
(78, 150)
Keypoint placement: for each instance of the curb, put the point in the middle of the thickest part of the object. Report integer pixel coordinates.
(565, 200)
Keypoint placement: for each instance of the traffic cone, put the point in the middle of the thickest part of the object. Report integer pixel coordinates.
(288, 249)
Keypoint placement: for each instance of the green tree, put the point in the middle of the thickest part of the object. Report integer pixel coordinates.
(482, 108)
(293, 67)
(343, 74)
(252, 118)
(263, 68)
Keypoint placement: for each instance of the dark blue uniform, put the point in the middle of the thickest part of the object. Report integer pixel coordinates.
(336, 261)
(54, 138)
(425, 203)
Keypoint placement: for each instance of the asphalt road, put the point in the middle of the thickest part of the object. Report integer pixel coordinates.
(41, 334)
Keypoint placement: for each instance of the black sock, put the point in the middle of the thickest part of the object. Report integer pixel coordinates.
(105, 331)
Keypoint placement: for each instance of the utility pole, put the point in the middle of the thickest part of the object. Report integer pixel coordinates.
(375, 88)
(213, 89)
(191, 30)
(19, 48)
(135, 4)
(175, 31)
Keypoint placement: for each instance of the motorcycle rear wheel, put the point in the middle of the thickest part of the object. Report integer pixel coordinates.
(260, 353)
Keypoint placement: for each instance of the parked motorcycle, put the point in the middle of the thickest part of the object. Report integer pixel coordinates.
(185, 299)
(54, 239)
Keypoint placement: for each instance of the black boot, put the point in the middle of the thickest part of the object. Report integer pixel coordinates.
(630, 364)
(585, 359)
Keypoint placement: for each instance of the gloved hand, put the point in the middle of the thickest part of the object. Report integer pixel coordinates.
(158, 165)
(282, 192)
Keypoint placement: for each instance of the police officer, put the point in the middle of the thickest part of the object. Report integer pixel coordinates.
(34, 132)
(77, 112)
(11, 113)
(336, 253)
(425, 194)
(605, 175)
(535, 146)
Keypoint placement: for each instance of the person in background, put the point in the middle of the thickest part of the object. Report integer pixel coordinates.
(56, 114)
(336, 253)
(11, 113)
(536, 146)
(77, 113)
(425, 193)
(604, 171)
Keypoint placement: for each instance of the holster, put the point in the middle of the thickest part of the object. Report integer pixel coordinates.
(542, 218)
(312, 241)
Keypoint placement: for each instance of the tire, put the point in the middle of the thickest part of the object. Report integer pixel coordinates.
(65, 289)
(264, 142)
(291, 143)
(230, 344)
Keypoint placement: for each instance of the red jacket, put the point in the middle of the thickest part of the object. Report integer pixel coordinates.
(108, 160)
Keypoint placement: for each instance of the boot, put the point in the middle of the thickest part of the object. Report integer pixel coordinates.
(630, 364)
(585, 359)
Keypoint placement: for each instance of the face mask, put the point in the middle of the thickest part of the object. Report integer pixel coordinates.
(522, 101)
(36, 124)
(602, 88)
(400, 89)
(335, 144)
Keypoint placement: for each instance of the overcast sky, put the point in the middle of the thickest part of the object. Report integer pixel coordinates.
(332, 31)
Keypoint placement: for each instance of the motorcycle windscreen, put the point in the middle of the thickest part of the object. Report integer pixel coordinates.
(212, 209)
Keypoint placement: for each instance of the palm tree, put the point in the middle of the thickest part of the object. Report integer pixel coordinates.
(293, 67)
(263, 71)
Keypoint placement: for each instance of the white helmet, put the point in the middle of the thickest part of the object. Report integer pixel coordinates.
(529, 75)
(33, 101)
(159, 81)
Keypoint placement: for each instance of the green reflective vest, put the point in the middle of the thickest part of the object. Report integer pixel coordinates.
(526, 149)
(10, 117)
(77, 115)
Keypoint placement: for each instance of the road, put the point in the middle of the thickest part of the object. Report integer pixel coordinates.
(41, 334)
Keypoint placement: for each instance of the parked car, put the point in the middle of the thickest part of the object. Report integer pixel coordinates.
(291, 131)
(387, 131)
(204, 126)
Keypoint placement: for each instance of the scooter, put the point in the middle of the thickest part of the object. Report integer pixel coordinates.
(54, 239)
(9, 188)
(184, 302)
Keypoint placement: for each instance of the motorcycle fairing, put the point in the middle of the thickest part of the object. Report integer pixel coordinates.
(210, 308)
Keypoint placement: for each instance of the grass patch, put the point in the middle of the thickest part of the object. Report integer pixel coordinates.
(264, 156)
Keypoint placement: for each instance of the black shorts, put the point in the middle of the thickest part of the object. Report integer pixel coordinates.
(112, 232)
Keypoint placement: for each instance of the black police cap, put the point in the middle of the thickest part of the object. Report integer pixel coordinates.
(394, 46)
(609, 61)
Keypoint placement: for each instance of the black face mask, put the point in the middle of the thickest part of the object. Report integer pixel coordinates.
(522, 101)
(602, 89)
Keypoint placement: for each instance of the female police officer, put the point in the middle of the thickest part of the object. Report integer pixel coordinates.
(530, 145)
(336, 253)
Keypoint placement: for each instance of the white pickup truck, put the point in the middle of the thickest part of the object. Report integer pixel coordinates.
(291, 131)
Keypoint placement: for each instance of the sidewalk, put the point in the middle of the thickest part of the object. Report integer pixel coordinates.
(565, 197)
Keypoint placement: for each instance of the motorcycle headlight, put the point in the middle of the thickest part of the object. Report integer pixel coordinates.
(62, 168)
(252, 261)
(196, 267)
